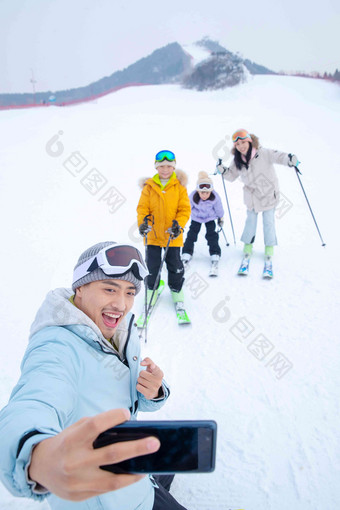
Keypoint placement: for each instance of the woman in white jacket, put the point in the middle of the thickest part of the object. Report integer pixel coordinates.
(255, 166)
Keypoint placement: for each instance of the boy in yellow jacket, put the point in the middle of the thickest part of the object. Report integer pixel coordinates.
(165, 198)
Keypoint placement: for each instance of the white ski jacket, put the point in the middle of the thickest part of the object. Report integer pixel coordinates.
(261, 186)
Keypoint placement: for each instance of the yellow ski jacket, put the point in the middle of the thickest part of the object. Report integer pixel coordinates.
(166, 204)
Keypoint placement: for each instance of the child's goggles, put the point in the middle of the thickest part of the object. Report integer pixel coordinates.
(241, 134)
(114, 260)
(162, 155)
(204, 186)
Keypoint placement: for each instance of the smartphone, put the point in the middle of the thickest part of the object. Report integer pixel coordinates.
(186, 446)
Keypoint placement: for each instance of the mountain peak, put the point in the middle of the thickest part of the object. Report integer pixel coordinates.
(212, 46)
(202, 65)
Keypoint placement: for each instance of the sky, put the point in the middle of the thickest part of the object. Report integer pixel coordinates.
(64, 44)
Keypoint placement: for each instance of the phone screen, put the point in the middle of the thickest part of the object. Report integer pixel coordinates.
(187, 446)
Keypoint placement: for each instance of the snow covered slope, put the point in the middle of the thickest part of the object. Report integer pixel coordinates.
(261, 357)
(197, 53)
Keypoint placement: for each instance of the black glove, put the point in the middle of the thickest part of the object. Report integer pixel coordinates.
(220, 222)
(144, 228)
(175, 230)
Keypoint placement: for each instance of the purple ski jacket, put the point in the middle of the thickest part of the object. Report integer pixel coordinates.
(206, 210)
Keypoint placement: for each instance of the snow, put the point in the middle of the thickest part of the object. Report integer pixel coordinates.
(197, 53)
(278, 433)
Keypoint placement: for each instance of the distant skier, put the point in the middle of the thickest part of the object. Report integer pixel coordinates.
(206, 207)
(255, 166)
(165, 197)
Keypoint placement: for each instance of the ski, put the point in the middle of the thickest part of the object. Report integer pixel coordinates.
(244, 267)
(214, 268)
(182, 316)
(268, 269)
(141, 322)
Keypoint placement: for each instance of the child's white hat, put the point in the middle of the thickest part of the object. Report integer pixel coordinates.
(204, 183)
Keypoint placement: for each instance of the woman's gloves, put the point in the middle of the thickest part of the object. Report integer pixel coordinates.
(293, 160)
(220, 169)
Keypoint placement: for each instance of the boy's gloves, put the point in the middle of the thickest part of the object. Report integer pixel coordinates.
(144, 228)
(220, 169)
(293, 160)
(220, 222)
(175, 230)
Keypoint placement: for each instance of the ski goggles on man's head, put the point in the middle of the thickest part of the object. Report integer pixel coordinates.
(114, 260)
(241, 134)
(204, 186)
(162, 155)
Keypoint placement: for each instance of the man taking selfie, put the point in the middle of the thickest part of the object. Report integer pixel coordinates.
(82, 374)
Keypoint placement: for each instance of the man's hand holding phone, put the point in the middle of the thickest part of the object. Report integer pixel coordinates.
(187, 446)
(149, 380)
(68, 466)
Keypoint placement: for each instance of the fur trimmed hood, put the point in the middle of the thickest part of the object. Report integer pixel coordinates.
(180, 174)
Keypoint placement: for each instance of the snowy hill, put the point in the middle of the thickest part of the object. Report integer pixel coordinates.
(170, 64)
(261, 357)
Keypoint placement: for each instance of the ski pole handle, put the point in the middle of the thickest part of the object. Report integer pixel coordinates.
(145, 227)
(147, 219)
(175, 230)
(219, 169)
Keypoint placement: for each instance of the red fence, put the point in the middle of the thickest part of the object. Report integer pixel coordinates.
(74, 101)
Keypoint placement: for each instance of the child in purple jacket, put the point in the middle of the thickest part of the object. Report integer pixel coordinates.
(206, 207)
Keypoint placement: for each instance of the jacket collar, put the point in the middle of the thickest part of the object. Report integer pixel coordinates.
(58, 310)
(157, 180)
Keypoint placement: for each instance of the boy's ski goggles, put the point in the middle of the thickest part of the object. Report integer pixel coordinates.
(241, 134)
(114, 260)
(204, 186)
(162, 155)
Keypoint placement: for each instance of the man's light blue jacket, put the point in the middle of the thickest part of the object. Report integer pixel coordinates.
(69, 371)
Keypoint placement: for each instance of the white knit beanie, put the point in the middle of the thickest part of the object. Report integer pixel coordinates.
(203, 178)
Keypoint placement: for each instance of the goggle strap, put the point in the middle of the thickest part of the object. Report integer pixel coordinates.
(88, 266)
(84, 269)
(92, 264)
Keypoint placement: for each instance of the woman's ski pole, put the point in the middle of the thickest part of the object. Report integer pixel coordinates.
(298, 176)
(226, 197)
